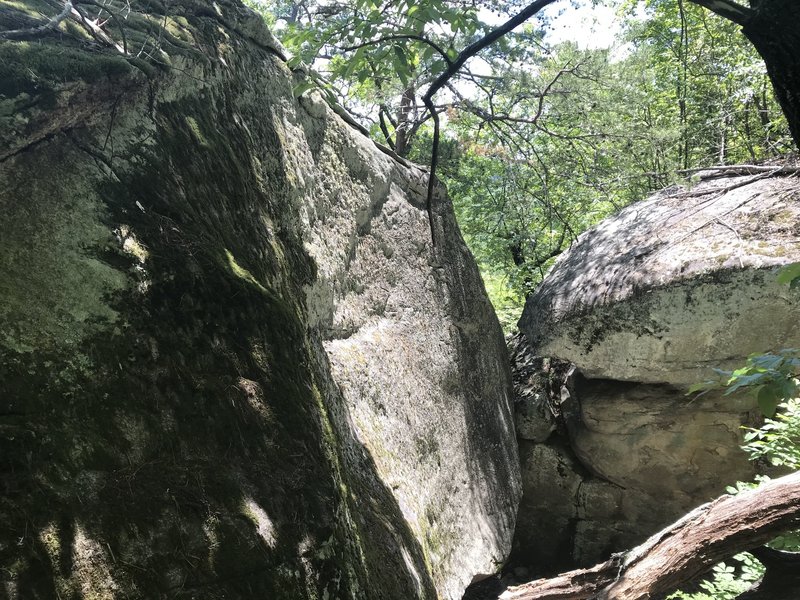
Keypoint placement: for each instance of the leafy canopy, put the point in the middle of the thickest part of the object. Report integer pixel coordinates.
(540, 141)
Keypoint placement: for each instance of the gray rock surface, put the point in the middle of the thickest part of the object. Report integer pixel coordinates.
(414, 346)
(622, 461)
(233, 363)
(644, 305)
(675, 285)
(677, 449)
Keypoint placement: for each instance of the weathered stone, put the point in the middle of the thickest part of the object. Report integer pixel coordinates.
(233, 363)
(552, 479)
(415, 349)
(570, 517)
(643, 454)
(653, 438)
(675, 285)
(645, 304)
(533, 418)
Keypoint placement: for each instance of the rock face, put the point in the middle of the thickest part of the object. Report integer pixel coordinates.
(644, 305)
(233, 363)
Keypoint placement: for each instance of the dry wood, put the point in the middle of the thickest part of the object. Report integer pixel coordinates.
(682, 551)
(739, 170)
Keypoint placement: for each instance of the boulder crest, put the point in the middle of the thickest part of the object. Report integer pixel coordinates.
(676, 284)
(233, 363)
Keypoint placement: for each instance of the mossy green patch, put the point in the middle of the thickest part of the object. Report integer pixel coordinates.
(196, 132)
(52, 246)
(28, 67)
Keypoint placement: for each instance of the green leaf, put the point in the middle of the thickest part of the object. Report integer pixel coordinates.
(363, 75)
(400, 53)
(767, 400)
(302, 87)
(703, 386)
(787, 388)
(752, 434)
(790, 274)
(766, 361)
(746, 381)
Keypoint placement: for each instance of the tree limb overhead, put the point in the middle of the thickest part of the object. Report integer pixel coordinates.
(727, 9)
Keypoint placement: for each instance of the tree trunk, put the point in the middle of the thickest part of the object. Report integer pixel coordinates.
(774, 29)
(684, 550)
(402, 137)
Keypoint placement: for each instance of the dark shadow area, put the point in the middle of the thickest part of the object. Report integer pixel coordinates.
(193, 447)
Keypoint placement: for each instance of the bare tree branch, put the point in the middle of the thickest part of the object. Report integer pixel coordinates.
(727, 9)
(490, 38)
(95, 30)
(434, 161)
(44, 28)
(116, 19)
(453, 68)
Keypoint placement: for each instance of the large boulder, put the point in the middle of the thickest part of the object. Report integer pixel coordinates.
(234, 364)
(675, 285)
(644, 305)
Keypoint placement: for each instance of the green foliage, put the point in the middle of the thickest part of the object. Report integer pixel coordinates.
(710, 85)
(778, 440)
(550, 160)
(373, 51)
(727, 581)
(505, 299)
(573, 135)
(772, 377)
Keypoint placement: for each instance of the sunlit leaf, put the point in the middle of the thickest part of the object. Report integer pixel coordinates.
(789, 274)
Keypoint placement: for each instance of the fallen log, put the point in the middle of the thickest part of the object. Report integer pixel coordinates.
(681, 552)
